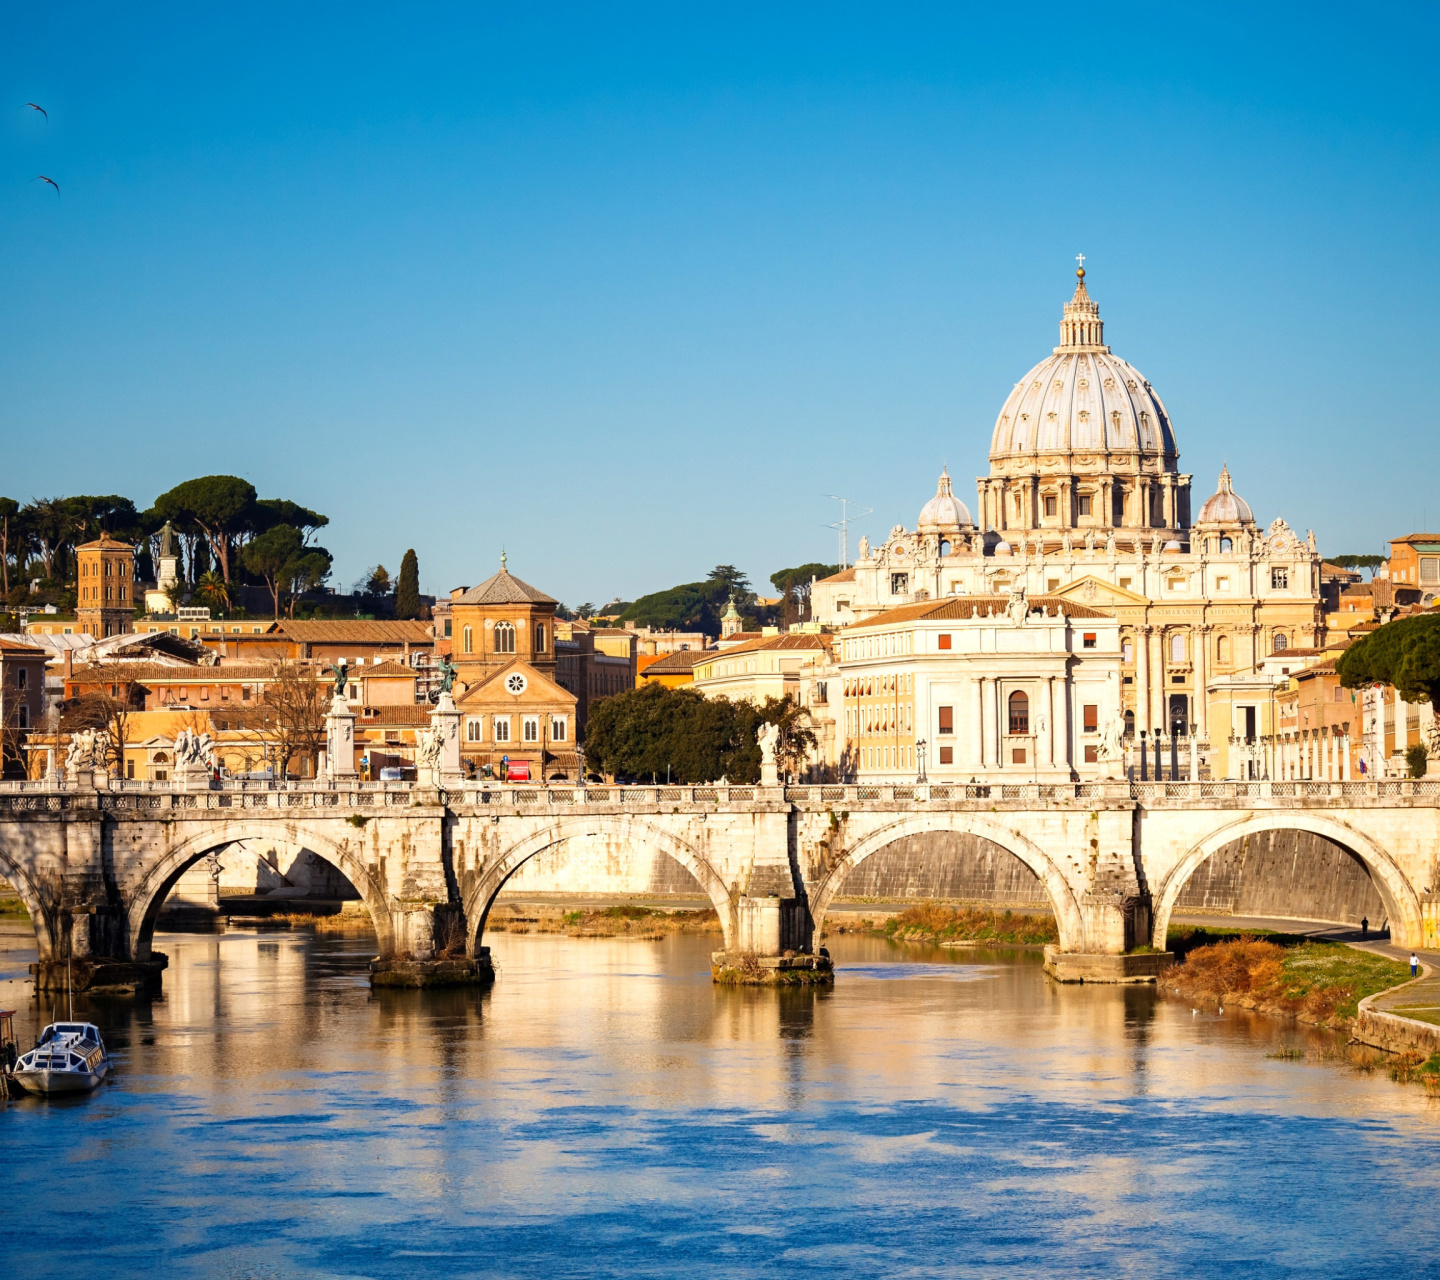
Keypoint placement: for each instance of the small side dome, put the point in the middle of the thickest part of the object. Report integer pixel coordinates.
(1172, 546)
(1002, 548)
(1225, 506)
(944, 513)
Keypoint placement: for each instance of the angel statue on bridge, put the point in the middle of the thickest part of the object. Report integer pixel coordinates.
(342, 676)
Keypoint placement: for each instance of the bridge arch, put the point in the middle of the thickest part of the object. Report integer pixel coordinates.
(1068, 917)
(149, 895)
(47, 931)
(481, 897)
(1400, 899)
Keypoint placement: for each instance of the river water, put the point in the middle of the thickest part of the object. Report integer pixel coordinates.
(604, 1110)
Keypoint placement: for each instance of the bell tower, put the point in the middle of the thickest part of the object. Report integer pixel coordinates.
(105, 587)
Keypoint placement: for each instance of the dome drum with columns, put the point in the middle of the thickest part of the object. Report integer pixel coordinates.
(1083, 442)
(1085, 500)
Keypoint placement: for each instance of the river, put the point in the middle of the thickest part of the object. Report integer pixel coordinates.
(604, 1110)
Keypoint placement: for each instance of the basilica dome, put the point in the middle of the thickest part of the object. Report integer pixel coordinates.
(1083, 398)
(944, 513)
(1225, 506)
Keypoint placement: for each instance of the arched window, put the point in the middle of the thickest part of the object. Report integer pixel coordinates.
(1177, 647)
(504, 637)
(1129, 724)
(1281, 642)
(1226, 546)
(467, 641)
(1222, 650)
(1019, 713)
(944, 546)
(539, 639)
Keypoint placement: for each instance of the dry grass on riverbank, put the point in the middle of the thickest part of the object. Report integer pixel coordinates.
(935, 923)
(13, 909)
(337, 922)
(608, 922)
(1319, 983)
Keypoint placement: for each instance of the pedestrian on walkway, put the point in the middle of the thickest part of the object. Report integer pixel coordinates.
(1414, 964)
(1364, 927)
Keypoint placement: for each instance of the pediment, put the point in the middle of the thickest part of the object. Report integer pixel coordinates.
(1098, 594)
(539, 689)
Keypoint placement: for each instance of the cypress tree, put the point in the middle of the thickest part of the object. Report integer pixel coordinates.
(407, 590)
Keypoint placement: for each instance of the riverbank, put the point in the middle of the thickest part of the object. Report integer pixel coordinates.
(622, 921)
(935, 924)
(1284, 975)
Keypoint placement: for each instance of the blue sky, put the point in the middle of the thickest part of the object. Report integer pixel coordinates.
(627, 289)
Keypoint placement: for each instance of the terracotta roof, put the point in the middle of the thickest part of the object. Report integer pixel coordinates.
(845, 575)
(356, 631)
(162, 673)
(106, 543)
(390, 717)
(23, 650)
(385, 669)
(955, 608)
(504, 588)
(808, 640)
(680, 661)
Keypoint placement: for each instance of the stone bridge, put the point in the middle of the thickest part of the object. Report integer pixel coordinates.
(93, 864)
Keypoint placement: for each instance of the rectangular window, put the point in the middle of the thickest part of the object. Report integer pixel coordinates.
(475, 729)
(1092, 717)
(1279, 578)
(947, 719)
(1050, 506)
(558, 729)
(947, 755)
(1222, 583)
(129, 768)
(1429, 569)
(448, 622)
(1017, 755)
(1088, 639)
(22, 720)
(502, 728)
(1085, 504)
(1052, 584)
(1127, 652)
(945, 640)
(531, 727)
(22, 677)
(1092, 754)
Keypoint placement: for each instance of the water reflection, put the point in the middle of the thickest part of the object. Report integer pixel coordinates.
(605, 1109)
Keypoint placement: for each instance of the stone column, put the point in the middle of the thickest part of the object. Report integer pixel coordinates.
(987, 703)
(1158, 687)
(1402, 727)
(1045, 742)
(975, 747)
(1344, 757)
(1142, 680)
(1201, 666)
(340, 741)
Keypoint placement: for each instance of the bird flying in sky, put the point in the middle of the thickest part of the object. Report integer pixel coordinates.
(39, 108)
(40, 177)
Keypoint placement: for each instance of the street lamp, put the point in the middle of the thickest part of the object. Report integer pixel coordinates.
(920, 760)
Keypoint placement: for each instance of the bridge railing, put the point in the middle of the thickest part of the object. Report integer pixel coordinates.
(134, 795)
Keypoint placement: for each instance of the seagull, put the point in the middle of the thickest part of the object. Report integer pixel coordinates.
(40, 177)
(39, 108)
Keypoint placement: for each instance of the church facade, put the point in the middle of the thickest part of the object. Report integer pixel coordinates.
(1085, 501)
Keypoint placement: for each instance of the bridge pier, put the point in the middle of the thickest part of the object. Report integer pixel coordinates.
(429, 949)
(771, 945)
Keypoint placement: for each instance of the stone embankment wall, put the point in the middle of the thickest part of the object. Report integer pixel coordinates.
(1290, 874)
(948, 865)
(596, 865)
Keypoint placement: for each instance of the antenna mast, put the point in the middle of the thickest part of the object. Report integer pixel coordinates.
(843, 524)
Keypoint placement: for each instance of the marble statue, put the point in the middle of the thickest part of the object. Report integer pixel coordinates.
(768, 737)
(1089, 542)
(193, 750)
(429, 746)
(1017, 608)
(864, 547)
(85, 750)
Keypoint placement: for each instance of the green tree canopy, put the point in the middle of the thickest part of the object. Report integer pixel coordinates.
(269, 512)
(794, 587)
(222, 506)
(407, 589)
(643, 732)
(268, 555)
(1358, 562)
(728, 576)
(1404, 653)
(90, 516)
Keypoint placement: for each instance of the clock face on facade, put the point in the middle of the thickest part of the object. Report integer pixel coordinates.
(515, 683)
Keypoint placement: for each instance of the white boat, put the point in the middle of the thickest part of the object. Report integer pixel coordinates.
(69, 1058)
